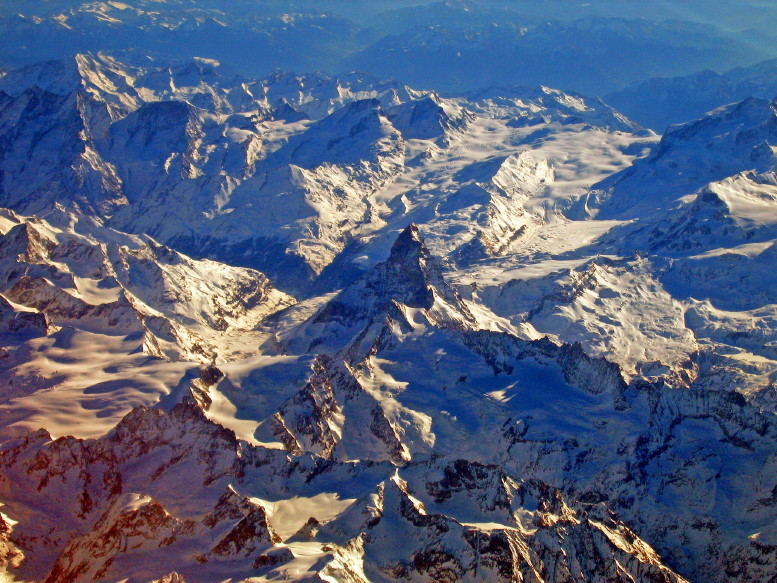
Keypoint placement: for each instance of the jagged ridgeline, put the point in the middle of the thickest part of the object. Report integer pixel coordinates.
(279, 174)
(334, 329)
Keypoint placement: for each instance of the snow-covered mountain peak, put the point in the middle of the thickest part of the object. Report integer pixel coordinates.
(536, 105)
(729, 140)
(428, 117)
(344, 137)
(410, 280)
(409, 248)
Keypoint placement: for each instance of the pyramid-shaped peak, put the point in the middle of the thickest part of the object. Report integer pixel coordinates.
(408, 246)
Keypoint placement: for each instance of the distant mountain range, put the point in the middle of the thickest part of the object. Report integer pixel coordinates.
(659, 102)
(594, 48)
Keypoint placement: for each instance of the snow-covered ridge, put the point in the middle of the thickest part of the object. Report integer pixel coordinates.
(119, 303)
(284, 174)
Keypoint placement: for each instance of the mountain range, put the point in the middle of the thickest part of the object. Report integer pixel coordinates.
(660, 102)
(455, 45)
(331, 328)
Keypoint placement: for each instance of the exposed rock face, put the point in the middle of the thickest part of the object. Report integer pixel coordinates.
(109, 527)
(15, 320)
(410, 279)
(136, 523)
(527, 440)
(272, 558)
(10, 555)
(170, 578)
(557, 544)
(308, 421)
(250, 534)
